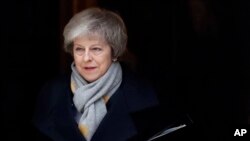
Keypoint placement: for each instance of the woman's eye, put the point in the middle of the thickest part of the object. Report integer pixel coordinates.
(79, 51)
(96, 50)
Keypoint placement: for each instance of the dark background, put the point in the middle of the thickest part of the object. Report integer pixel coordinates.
(195, 52)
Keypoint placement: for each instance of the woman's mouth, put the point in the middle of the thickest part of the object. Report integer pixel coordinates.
(89, 68)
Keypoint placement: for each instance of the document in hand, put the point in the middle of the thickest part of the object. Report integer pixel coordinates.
(155, 124)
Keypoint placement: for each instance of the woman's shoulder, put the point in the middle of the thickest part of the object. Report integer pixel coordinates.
(138, 91)
(54, 86)
(134, 77)
(50, 92)
(58, 79)
(55, 83)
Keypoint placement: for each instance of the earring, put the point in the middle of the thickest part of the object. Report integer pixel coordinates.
(115, 59)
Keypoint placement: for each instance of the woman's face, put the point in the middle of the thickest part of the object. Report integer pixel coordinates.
(92, 57)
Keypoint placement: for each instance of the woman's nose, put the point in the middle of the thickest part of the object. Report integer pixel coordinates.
(87, 56)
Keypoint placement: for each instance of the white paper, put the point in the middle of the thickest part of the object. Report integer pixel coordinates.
(166, 131)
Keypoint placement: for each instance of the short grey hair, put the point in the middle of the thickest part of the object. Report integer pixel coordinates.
(97, 21)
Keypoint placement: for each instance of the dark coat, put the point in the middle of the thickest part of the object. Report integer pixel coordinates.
(54, 115)
(132, 112)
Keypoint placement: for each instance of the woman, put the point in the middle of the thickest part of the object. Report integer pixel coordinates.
(97, 100)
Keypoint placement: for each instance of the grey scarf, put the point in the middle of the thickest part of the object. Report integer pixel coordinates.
(90, 98)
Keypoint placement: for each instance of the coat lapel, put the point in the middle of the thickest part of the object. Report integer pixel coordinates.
(64, 122)
(117, 124)
(66, 126)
